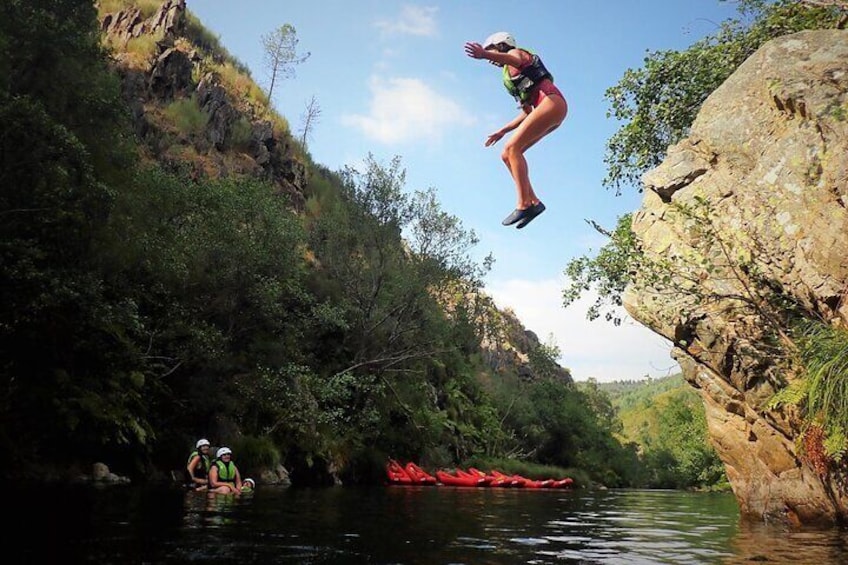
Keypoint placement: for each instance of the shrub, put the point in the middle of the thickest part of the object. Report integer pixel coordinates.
(254, 453)
(240, 133)
(187, 116)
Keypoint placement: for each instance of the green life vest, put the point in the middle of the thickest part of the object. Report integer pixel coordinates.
(520, 85)
(202, 470)
(226, 471)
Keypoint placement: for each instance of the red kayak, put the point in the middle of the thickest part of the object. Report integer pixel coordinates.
(507, 480)
(493, 481)
(532, 483)
(490, 480)
(482, 480)
(418, 475)
(396, 474)
(459, 481)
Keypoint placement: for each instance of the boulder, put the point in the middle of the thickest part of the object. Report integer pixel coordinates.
(171, 74)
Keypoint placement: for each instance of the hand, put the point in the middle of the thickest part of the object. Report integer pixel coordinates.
(494, 138)
(474, 50)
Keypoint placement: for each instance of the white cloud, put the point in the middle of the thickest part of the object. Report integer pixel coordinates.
(406, 109)
(589, 349)
(413, 20)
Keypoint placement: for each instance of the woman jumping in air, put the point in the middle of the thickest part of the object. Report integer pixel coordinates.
(543, 108)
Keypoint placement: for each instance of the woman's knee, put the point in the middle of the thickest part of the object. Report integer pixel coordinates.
(510, 153)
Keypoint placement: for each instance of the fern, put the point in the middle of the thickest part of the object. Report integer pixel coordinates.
(824, 354)
(823, 351)
(836, 443)
(792, 395)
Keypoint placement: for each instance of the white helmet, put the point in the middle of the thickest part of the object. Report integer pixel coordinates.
(201, 443)
(498, 38)
(223, 451)
(250, 482)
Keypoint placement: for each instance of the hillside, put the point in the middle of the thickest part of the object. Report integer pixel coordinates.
(664, 420)
(639, 404)
(197, 108)
(178, 267)
(625, 394)
(193, 104)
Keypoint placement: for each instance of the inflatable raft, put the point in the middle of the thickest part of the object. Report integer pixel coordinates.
(412, 474)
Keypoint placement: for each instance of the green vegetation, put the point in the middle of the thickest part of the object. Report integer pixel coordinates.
(821, 390)
(665, 419)
(187, 116)
(609, 273)
(658, 103)
(280, 54)
(144, 306)
(146, 7)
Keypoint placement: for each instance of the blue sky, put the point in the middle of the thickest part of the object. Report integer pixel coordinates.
(391, 79)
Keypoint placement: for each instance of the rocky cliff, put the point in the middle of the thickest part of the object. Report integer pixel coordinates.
(747, 213)
(194, 105)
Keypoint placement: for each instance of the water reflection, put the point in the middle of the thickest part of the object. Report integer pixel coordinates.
(408, 525)
(208, 509)
(757, 542)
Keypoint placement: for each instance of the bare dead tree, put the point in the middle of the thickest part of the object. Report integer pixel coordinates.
(281, 54)
(310, 117)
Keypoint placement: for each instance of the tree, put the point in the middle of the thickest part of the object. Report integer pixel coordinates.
(842, 5)
(609, 272)
(658, 103)
(69, 369)
(281, 56)
(310, 118)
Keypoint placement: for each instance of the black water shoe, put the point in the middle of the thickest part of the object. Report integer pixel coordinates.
(516, 215)
(530, 214)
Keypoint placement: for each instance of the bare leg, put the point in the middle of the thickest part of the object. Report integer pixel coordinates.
(542, 120)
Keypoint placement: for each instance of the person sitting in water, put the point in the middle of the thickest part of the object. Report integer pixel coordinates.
(224, 477)
(249, 485)
(197, 466)
(543, 109)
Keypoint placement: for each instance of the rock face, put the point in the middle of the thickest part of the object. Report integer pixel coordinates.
(237, 136)
(750, 206)
(509, 346)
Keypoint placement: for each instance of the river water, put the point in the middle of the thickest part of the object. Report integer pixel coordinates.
(395, 525)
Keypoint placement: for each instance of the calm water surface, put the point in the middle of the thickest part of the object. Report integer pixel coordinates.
(395, 525)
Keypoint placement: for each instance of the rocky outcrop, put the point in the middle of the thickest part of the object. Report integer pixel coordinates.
(750, 208)
(508, 346)
(167, 22)
(237, 137)
(171, 75)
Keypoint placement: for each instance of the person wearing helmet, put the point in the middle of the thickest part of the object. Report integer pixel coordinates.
(224, 476)
(249, 485)
(197, 466)
(543, 109)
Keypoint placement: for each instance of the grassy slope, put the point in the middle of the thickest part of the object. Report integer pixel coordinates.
(638, 403)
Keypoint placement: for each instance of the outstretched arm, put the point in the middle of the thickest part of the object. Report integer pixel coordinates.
(516, 121)
(512, 57)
